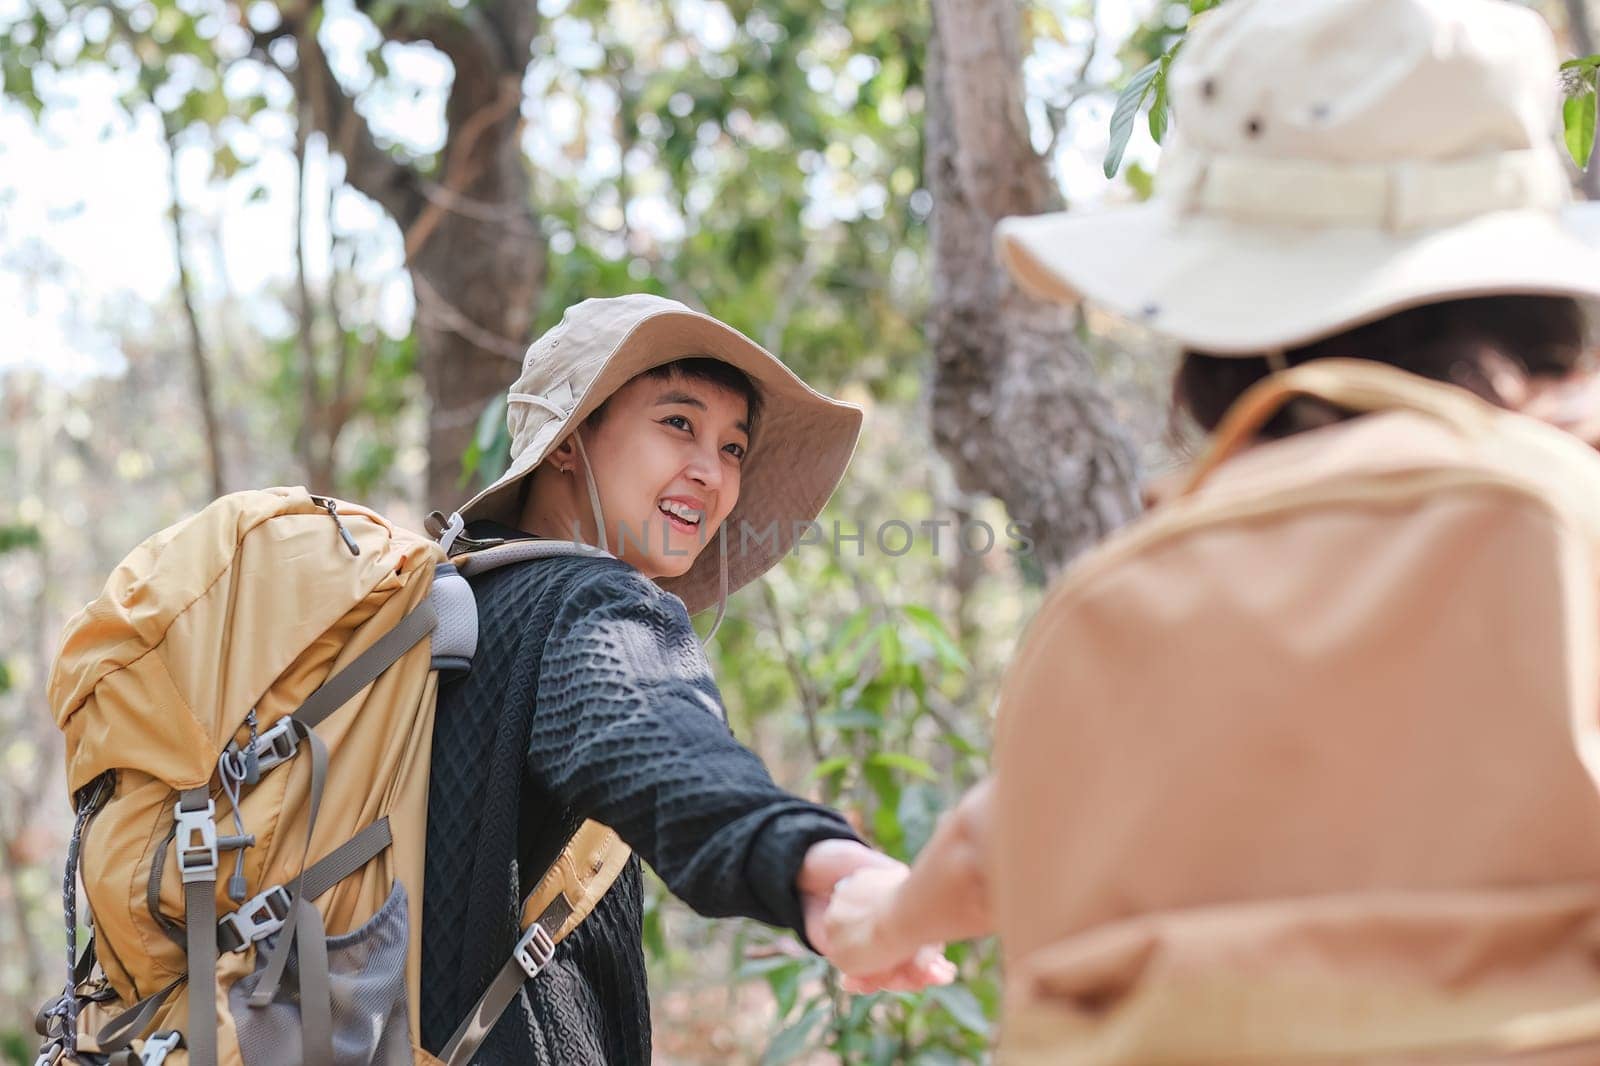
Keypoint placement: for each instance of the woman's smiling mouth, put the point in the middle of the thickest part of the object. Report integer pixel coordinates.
(680, 515)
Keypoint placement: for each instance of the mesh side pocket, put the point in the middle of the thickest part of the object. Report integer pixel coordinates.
(367, 975)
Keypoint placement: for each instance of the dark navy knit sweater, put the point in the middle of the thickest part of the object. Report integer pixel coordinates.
(589, 698)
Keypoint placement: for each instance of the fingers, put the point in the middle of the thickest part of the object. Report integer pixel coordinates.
(928, 968)
(829, 861)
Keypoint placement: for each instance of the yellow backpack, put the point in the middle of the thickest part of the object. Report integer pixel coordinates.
(248, 710)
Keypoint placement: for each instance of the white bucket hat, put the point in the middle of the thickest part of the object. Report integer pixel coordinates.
(799, 452)
(1333, 161)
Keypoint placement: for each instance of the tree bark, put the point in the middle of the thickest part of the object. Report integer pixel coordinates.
(1017, 410)
(473, 246)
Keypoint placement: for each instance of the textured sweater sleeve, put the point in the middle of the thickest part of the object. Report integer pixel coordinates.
(628, 730)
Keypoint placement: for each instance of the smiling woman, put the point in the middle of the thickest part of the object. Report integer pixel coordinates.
(644, 429)
(666, 450)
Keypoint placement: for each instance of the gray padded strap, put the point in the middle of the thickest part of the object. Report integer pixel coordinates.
(517, 551)
(455, 641)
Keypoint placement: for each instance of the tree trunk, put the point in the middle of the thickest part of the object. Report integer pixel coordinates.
(1017, 410)
(478, 273)
(473, 246)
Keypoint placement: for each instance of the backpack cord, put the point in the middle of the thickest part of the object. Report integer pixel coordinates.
(66, 1008)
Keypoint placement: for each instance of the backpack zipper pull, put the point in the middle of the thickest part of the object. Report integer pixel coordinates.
(332, 507)
(252, 758)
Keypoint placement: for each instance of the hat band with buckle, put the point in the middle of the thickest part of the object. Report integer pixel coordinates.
(1398, 197)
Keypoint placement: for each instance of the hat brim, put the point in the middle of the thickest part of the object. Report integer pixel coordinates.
(1228, 287)
(801, 448)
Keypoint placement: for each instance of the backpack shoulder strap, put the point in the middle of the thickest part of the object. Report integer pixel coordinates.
(505, 553)
(564, 897)
(1359, 385)
(585, 870)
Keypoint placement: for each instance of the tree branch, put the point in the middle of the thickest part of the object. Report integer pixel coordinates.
(368, 167)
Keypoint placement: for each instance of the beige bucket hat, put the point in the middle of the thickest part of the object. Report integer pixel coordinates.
(1333, 161)
(801, 447)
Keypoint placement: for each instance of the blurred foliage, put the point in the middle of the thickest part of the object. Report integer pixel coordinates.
(12, 537)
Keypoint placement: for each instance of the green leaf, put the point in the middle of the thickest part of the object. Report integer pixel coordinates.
(898, 760)
(1127, 109)
(829, 767)
(963, 1006)
(788, 1045)
(1578, 120)
(785, 983)
(855, 718)
(13, 537)
(1158, 101)
(490, 433)
(890, 652)
(1140, 180)
(944, 646)
(936, 1056)
(655, 940)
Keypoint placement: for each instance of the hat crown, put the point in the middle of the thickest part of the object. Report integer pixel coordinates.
(566, 358)
(1365, 81)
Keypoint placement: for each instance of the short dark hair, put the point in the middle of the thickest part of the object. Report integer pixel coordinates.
(704, 369)
(1450, 341)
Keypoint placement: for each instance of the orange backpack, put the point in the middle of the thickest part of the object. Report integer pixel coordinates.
(248, 710)
(1314, 744)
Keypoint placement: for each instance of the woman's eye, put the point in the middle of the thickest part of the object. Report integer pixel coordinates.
(677, 422)
(735, 450)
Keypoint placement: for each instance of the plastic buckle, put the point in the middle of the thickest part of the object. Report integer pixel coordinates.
(535, 950)
(50, 1054)
(158, 1047)
(260, 916)
(197, 842)
(276, 745)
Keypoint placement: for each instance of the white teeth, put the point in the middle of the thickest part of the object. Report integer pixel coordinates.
(678, 510)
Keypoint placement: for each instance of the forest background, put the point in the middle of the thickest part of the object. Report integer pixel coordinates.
(287, 242)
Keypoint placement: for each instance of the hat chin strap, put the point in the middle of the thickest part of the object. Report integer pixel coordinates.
(722, 584)
(594, 492)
